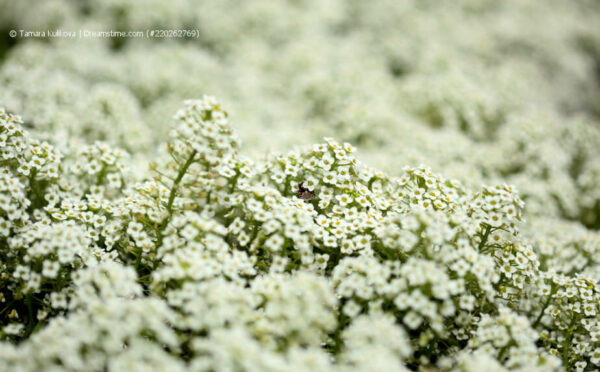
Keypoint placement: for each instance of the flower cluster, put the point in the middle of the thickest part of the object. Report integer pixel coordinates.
(509, 338)
(135, 239)
(306, 256)
(566, 313)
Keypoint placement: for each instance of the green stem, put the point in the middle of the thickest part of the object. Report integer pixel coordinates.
(101, 175)
(484, 238)
(8, 307)
(31, 322)
(502, 352)
(178, 179)
(172, 194)
(234, 182)
(544, 307)
(567, 344)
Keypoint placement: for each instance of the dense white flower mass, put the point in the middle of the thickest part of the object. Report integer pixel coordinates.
(147, 226)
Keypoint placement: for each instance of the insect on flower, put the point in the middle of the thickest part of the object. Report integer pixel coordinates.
(304, 193)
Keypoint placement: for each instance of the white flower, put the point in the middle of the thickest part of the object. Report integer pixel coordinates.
(274, 243)
(412, 320)
(351, 309)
